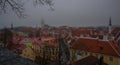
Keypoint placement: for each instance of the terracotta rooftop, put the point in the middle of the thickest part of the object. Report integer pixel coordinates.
(16, 39)
(47, 38)
(97, 46)
(90, 60)
(33, 40)
(78, 32)
(51, 41)
(16, 47)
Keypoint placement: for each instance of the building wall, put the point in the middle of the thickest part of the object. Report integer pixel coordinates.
(119, 61)
(107, 59)
(28, 53)
(111, 60)
(47, 52)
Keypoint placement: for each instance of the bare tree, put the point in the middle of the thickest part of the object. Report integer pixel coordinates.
(6, 37)
(17, 6)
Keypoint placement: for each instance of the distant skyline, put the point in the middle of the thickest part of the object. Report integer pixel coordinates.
(78, 13)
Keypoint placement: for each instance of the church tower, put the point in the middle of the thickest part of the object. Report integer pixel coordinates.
(110, 30)
(110, 26)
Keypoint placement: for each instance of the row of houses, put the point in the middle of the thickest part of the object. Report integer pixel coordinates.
(85, 46)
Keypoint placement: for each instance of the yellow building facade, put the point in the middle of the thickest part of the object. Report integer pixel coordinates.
(110, 60)
(28, 53)
(46, 51)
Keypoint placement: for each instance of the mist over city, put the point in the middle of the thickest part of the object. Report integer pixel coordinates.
(59, 32)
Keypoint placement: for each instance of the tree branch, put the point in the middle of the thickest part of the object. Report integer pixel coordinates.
(18, 7)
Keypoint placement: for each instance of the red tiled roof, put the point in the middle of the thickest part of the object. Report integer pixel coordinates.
(37, 41)
(90, 60)
(78, 32)
(33, 40)
(115, 30)
(51, 41)
(16, 39)
(97, 46)
(16, 47)
(25, 40)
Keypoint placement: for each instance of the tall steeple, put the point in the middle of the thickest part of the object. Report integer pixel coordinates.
(110, 23)
(110, 26)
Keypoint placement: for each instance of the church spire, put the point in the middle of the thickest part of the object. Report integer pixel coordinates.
(110, 29)
(11, 26)
(110, 26)
(110, 23)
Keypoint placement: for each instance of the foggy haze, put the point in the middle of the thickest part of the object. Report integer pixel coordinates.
(67, 12)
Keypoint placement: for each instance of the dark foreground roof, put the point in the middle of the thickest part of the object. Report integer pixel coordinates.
(9, 58)
(90, 60)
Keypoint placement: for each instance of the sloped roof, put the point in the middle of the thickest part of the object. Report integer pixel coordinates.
(85, 32)
(15, 47)
(90, 60)
(32, 40)
(7, 57)
(97, 46)
(16, 39)
(51, 41)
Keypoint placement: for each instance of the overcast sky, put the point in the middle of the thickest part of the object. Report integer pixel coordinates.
(67, 12)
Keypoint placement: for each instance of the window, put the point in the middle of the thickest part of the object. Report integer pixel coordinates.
(111, 58)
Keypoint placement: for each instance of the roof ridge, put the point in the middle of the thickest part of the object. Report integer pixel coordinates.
(114, 48)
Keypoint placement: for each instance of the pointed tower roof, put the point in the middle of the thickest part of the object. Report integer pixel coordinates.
(110, 23)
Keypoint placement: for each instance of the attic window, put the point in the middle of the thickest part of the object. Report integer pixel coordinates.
(101, 48)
